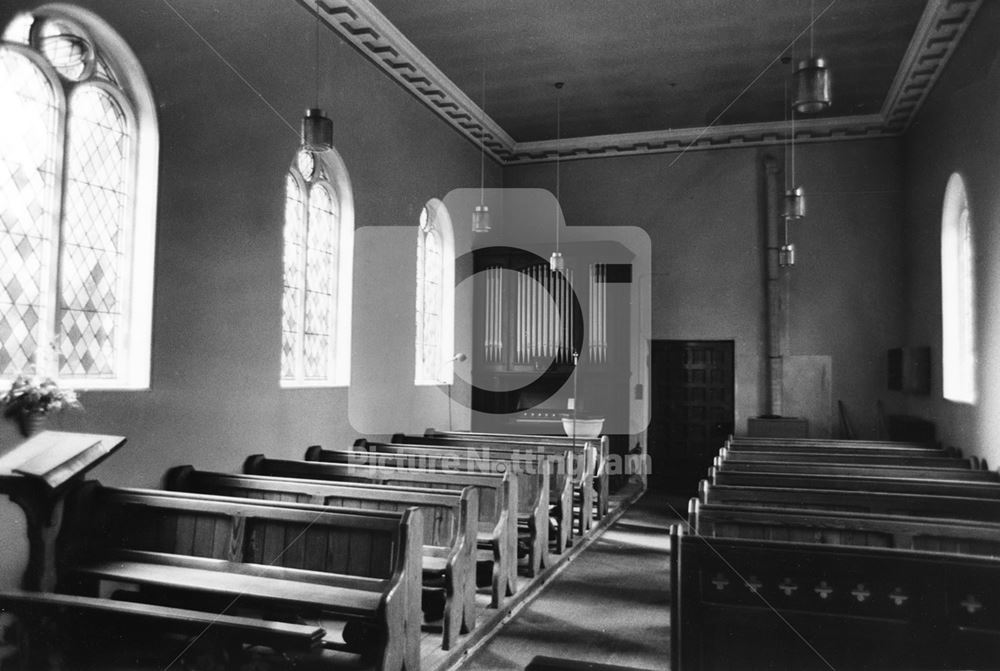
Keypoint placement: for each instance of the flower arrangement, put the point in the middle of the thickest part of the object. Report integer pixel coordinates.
(36, 395)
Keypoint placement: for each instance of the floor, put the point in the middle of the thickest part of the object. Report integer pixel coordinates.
(610, 605)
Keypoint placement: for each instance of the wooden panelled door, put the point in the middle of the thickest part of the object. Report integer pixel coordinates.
(692, 410)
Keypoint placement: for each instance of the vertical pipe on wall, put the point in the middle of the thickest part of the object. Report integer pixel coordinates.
(775, 304)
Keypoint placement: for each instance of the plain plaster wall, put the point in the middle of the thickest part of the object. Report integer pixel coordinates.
(957, 131)
(703, 213)
(215, 396)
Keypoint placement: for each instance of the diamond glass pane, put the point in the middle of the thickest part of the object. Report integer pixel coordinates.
(103, 70)
(19, 29)
(306, 163)
(294, 279)
(321, 269)
(28, 124)
(429, 296)
(67, 51)
(92, 258)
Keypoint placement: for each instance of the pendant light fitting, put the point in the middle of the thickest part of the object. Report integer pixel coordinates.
(556, 262)
(813, 86)
(481, 213)
(317, 129)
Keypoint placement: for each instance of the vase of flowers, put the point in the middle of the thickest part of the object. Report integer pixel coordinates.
(31, 399)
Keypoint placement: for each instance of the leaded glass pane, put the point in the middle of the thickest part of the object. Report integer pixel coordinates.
(306, 163)
(321, 268)
(103, 70)
(92, 258)
(19, 29)
(428, 317)
(294, 274)
(69, 52)
(28, 123)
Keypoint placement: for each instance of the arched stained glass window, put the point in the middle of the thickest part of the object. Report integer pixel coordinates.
(435, 296)
(315, 347)
(78, 153)
(958, 295)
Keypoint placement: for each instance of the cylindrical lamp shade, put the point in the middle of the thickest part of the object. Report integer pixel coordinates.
(786, 255)
(317, 131)
(481, 219)
(556, 262)
(813, 92)
(795, 204)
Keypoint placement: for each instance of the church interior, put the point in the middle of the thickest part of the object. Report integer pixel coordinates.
(700, 290)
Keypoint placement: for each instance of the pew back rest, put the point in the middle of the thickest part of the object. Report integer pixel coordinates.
(827, 527)
(590, 454)
(874, 483)
(442, 510)
(925, 505)
(819, 468)
(855, 607)
(836, 457)
(494, 489)
(530, 470)
(356, 543)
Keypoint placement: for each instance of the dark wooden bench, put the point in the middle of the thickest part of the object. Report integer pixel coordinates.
(57, 627)
(893, 503)
(531, 472)
(755, 604)
(450, 526)
(872, 458)
(958, 536)
(560, 481)
(600, 469)
(235, 556)
(498, 496)
(865, 483)
(828, 443)
(965, 473)
(840, 448)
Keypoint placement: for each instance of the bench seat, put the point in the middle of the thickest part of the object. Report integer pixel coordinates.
(278, 635)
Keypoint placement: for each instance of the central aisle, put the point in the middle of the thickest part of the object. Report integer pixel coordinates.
(610, 605)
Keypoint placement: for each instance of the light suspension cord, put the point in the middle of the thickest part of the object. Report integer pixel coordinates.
(784, 112)
(559, 86)
(316, 68)
(812, 21)
(482, 139)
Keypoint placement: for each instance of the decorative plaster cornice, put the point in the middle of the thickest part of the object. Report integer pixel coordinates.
(937, 35)
(367, 29)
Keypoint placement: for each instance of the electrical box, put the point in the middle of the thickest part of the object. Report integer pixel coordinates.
(909, 370)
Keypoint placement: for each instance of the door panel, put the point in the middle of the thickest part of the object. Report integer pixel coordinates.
(692, 409)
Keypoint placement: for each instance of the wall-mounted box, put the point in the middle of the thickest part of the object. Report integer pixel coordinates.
(909, 369)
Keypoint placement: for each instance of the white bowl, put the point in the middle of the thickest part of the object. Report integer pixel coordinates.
(585, 428)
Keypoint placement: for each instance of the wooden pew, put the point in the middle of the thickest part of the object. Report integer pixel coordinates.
(829, 443)
(864, 483)
(293, 560)
(588, 474)
(561, 460)
(959, 536)
(498, 496)
(849, 469)
(600, 469)
(843, 447)
(532, 474)
(831, 456)
(54, 628)
(450, 525)
(893, 503)
(756, 604)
